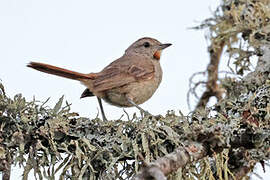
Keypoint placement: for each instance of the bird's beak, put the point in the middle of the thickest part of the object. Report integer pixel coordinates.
(159, 50)
(163, 46)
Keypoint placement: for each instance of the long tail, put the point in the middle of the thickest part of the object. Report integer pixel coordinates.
(59, 71)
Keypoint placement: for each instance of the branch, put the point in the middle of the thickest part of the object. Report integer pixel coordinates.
(242, 172)
(172, 162)
(193, 151)
(92, 148)
(212, 88)
(5, 167)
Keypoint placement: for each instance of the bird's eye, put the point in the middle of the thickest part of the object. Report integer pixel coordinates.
(146, 44)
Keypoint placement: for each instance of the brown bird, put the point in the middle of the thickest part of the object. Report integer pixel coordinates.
(128, 81)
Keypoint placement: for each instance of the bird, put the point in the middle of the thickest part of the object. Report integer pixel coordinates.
(128, 81)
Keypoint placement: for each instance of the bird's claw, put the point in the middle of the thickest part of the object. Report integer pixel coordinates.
(145, 113)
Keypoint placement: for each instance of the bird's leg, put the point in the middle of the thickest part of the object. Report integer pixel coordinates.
(141, 109)
(101, 109)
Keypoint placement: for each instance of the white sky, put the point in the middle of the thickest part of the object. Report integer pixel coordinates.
(85, 36)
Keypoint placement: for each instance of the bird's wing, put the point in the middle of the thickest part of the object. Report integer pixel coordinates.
(123, 71)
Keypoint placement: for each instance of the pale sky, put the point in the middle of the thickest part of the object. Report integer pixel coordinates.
(85, 36)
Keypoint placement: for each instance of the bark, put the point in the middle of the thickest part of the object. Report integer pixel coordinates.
(212, 87)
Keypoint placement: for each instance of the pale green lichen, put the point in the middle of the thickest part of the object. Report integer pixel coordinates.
(55, 140)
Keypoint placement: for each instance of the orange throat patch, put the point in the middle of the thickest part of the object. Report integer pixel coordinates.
(157, 54)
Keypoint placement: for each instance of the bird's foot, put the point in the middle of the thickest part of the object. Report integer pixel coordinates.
(145, 113)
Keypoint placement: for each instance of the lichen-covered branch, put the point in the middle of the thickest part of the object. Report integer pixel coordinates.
(215, 140)
(220, 142)
(239, 27)
(60, 140)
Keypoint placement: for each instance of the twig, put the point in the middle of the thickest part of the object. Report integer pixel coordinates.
(5, 167)
(212, 88)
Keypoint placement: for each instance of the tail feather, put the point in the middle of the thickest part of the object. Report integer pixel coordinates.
(59, 71)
